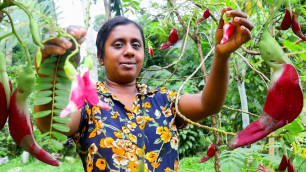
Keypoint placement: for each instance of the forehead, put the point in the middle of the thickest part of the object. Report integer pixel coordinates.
(125, 31)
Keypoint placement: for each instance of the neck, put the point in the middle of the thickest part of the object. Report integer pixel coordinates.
(119, 88)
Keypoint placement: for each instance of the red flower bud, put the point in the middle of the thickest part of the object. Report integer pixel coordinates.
(173, 38)
(206, 14)
(210, 153)
(290, 166)
(151, 51)
(296, 27)
(283, 164)
(286, 23)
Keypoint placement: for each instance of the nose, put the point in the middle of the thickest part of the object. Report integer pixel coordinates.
(129, 52)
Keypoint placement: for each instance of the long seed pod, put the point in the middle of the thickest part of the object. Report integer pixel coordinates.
(296, 26)
(283, 164)
(284, 101)
(5, 91)
(287, 20)
(20, 124)
(290, 166)
(35, 32)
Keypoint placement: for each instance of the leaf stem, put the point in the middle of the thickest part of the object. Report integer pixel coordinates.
(22, 43)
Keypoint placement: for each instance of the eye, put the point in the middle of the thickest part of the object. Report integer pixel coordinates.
(136, 45)
(118, 45)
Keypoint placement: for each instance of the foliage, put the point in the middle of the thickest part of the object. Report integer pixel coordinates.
(191, 141)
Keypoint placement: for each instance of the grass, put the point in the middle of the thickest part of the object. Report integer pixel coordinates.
(189, 164)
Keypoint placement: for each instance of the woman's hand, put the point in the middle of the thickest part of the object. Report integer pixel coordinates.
(59, 46)
(242, 33)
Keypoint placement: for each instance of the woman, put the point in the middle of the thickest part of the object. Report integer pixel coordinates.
(140, 130)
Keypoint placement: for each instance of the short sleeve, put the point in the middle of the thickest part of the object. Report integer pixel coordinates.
(172, 96)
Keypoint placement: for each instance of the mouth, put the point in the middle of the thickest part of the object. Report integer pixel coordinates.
(128, 64)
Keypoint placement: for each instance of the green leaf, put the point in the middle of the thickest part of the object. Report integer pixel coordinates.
(46, 71)
(136, 3)
(64, 99)
(61, 120)
(42, 114)
(42, 135)
(62, 86)
(61, 127)
(63, 80)
(56, 144)
(44, 80)
(43, 86)
(50, 60)
(61, 73)
(59, 136)
(42, 100)
(49, 66)
(58, 112)
(126, 0)
(45, 93)
(63, 93)
(60, 105)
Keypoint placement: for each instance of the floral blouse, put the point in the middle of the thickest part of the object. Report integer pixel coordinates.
(143, 138)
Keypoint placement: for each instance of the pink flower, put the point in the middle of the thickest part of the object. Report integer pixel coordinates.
(91, 94)
(261, 168)
(77, 96)
(82, 89)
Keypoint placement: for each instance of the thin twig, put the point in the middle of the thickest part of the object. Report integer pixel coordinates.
(261, 75)
(239, 110)
(249, 51)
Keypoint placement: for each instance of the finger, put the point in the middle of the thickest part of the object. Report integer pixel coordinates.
(221, 21)
(76, 31)
(52, 49)
(236, 13)
(246, 35)
(61, 42)
(243, 22)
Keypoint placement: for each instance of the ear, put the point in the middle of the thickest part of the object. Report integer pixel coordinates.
(101, 60)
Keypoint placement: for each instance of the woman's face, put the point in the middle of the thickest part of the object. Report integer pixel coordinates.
(123, 54)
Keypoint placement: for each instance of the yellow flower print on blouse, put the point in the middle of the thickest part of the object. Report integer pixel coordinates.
(133, 166)
(168, 169)
(118, 134)
(151, 156)
(101, 163)
(115, 115)
(136, 109)
(106, 142)
(164, 132)
(133, 138)
(89, 166)
(92, 149)
(166, 111)
(155, 164)
(147, 105)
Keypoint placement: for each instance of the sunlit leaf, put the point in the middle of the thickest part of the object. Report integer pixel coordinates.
(61, 127)
(42, 114)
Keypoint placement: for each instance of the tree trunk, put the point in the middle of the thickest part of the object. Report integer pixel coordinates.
(244, 104)
(107, 10)
(90, 42)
